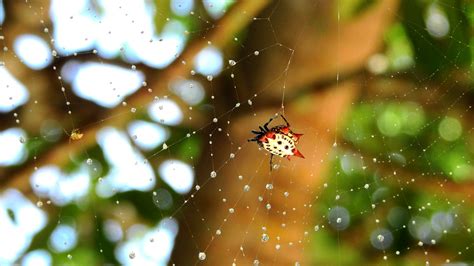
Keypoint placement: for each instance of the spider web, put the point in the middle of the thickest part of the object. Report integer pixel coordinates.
(387, 177)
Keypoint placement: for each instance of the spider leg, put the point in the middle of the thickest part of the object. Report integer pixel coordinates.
(250, 140)
(287, 124)
(266, 124)
(67, 134)
(262, 129)
(256, 132)
(271, 162)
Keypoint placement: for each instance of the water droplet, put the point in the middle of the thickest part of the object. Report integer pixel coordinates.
(232, 62)
(269, 186)
(380, 238)
(214, 120)
(39, 203)
(265, 238)
(231, 210)
(69, 256)
(210, 77)
(89, 161)
(213, 174)
(338, 220)
(232, 156)
(268, 206)
(218, 232)
(133, 109)
(249, 102)
(256, 53)
(366, 186)
(22, 139)
(131, 255)
(286, 194)
(202, 256)
(246, 188)
(54, 53)
(316, 228)
(165, 146)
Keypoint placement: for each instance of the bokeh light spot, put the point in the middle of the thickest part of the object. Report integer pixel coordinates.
(12, 92)
(33, 51)
(177, 174)
(209, 61)
(12, 143)
(450, 129)
(165, 111)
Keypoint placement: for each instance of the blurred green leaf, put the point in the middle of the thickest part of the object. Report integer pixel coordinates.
(399, 48)
(351, 8)
(11, 215)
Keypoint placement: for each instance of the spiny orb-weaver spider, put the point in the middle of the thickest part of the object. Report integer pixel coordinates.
(279, 140)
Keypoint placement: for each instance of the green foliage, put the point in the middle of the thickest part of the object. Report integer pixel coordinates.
(351, 8)
(399, 48)
(190, 148)
(372, 197)
(325, 248)
(165, 14)
(11, 215)
(392, 136)
(395, 131)
(434, 55)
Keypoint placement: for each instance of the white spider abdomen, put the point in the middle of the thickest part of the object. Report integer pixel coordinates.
(282, 145)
